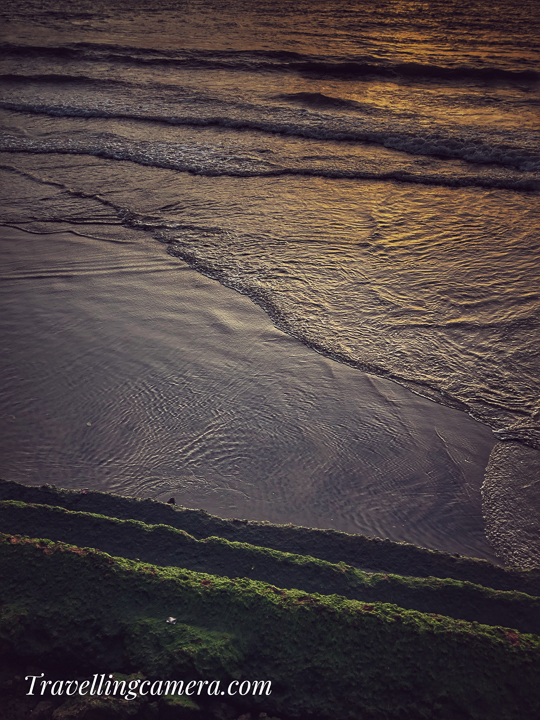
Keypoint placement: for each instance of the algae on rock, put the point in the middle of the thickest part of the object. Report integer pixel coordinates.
(371, 554)
(164, 545)
(327, 656)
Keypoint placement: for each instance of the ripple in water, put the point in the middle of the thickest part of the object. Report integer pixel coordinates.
(155, 381)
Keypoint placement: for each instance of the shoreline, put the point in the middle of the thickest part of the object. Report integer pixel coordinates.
(368, 554)
(396, 465)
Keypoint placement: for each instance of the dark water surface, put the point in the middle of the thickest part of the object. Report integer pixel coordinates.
(367, 173)
(126, 371)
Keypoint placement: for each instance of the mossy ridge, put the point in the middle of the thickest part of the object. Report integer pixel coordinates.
(326, 655)
(371, 554)
(163, 545)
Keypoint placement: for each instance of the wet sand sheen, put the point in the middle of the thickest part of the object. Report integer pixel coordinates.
(126, 371)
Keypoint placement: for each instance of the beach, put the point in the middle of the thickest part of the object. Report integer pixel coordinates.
(365, 185)
(136, 375)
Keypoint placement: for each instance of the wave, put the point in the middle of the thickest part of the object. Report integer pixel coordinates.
(354, 70)
(59, 79)
(201, 249)
(320, 100)
(204, 161)
(412, 141)
(345, 68)
(215, 251)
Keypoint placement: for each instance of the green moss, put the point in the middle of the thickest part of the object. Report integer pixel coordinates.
(326, 655)
(176, 702)
(163, 545)
(358, 551)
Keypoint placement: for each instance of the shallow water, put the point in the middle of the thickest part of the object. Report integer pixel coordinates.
(126, 371)
(369, 176)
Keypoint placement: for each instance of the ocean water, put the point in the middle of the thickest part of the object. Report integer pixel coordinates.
(367, 173)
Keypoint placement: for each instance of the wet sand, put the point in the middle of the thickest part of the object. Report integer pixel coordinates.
(125, 371)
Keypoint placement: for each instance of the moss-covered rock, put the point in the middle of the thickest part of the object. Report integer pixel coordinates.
(164, 545)
(326, 656)
(359, 551)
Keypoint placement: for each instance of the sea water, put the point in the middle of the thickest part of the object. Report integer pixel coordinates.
(367, 173)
